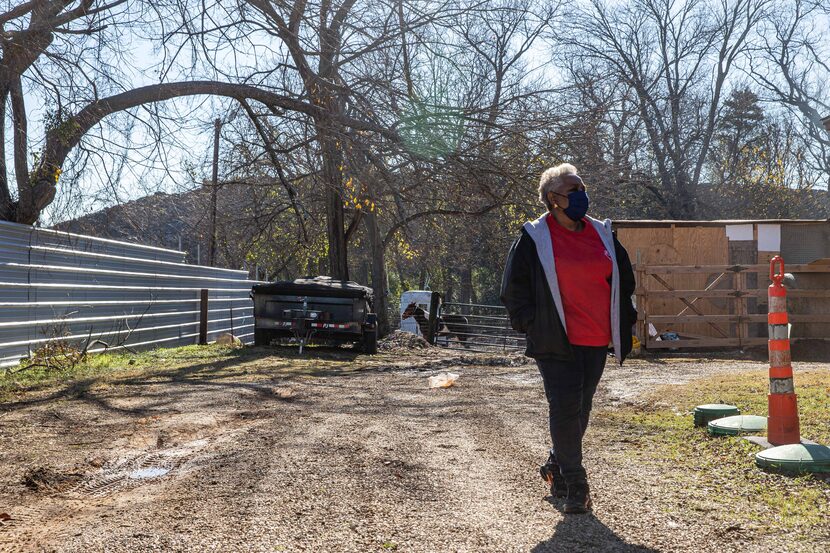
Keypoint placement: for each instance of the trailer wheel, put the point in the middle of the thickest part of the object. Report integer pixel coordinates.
(262, 337)
(369, 342)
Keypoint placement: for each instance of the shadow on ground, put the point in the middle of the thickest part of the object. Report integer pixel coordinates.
(576, 533)
(229, 371)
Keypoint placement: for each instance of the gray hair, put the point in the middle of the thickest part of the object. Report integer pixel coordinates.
(552, 178)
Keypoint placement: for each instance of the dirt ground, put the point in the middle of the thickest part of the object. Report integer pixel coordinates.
(251, 453)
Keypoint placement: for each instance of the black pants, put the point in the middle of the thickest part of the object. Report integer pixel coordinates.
(569, 388)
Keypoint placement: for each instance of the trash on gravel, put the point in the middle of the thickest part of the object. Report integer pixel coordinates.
(443, 380)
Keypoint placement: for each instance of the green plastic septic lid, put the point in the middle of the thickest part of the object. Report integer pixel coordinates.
(716, 409)
(795, 458)
(738, 424)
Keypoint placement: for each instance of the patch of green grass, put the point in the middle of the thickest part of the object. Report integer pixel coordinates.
(719, 473)
(21, 379)
(211, 361)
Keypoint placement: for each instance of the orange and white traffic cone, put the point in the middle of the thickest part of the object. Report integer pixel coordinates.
(782, 420)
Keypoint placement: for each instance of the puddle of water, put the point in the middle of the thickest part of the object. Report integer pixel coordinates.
(152, 472)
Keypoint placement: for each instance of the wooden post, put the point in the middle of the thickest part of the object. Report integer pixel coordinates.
(741, 307)
(640, 293)
(433, 317)
(203, 316)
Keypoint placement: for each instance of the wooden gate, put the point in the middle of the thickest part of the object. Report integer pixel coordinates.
(729, 311)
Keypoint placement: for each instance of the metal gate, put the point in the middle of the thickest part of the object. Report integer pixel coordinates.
(476, 327)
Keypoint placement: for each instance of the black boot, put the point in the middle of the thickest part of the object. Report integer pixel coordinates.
(579, 498)
(551, 474)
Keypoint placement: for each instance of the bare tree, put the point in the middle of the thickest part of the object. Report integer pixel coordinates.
(676, 56)
(793, 68)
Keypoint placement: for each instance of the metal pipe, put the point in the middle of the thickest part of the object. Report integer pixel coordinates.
(489, 317)
(500, 307)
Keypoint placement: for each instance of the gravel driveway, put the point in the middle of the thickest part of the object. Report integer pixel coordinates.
(248, 455)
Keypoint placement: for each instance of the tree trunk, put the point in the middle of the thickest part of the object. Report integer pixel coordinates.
(378, 253)
(466, 292)
(450, 282)
(335, 229)
(6, 206)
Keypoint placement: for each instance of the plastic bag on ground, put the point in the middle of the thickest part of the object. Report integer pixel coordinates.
(443, 380)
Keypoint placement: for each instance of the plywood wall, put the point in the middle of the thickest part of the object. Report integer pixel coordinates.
(680, 246)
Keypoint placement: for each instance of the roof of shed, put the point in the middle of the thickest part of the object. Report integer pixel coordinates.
(669, 222)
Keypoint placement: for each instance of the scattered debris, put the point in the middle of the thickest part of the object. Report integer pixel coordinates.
(495, 360)
(46, 479)
(96, 462)
(285, 393)
(402, 340)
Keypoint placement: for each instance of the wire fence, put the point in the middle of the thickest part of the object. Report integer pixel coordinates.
(57, 286)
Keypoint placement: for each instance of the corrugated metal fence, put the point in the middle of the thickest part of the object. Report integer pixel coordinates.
(55, 285)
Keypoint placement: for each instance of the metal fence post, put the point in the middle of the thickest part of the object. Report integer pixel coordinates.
(203, 316)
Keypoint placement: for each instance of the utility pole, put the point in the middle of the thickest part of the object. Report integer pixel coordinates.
(213, 186)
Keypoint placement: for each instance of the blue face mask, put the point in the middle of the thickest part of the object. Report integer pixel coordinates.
(577, 205)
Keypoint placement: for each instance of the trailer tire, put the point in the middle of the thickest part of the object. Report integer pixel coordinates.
(369, 342)
(262, 337)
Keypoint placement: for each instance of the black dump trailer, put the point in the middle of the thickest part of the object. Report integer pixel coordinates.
(319, 308)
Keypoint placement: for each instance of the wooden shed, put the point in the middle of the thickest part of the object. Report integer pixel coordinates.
(706, 281)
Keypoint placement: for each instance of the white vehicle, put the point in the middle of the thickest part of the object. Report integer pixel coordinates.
(420, 297)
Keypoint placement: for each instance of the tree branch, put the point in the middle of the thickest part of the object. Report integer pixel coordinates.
(65, 136)
(20, 132)
(390, 234)
(19, 11)
(272, 155)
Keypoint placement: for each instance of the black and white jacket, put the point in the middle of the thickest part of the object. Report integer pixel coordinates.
(530, 291)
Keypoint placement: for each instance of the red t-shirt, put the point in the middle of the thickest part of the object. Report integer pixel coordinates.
(583, 268)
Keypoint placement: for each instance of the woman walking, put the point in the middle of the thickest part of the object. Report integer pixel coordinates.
(567, 286)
